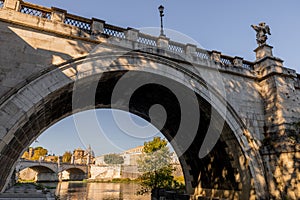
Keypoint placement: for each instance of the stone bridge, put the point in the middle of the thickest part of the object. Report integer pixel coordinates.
(247, 111)
(53, 171)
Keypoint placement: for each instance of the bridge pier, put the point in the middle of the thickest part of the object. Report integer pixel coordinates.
(280, 148)
(69, 176)
(60, 176)
(46, 177)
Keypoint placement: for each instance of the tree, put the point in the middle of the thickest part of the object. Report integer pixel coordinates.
(39, 152)
(113, 159)
(155, 164)
(25, 155)
(28, 153)
(156, 144)
(67, 156)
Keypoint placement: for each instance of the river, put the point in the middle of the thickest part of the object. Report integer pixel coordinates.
(97, 191)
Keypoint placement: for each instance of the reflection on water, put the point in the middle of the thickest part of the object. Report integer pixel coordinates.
(98, 191)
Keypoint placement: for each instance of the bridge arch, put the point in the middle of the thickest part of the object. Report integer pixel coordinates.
(52, 167)
(39, 168)
(75, 169)
(73, 174)
(38, 173)
(47, 98)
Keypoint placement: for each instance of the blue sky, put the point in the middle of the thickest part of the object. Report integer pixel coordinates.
(66, 136)
(215, 25)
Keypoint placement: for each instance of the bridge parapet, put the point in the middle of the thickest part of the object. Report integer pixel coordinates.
(54, 166)
(96, 29)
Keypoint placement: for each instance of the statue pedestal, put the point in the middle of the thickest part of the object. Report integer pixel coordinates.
(263, 51)
(265, 61)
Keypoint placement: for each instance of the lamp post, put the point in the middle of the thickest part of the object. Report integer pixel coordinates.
(161, 13)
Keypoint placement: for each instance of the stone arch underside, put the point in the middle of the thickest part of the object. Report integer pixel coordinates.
(38, 173)
(39, 169)
(73, 174)
(48, 99)
(75, 170)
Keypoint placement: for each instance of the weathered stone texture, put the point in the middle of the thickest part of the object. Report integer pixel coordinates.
(33, 52)
(244, 96)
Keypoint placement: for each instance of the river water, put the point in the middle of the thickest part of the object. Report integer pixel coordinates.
(98, 191)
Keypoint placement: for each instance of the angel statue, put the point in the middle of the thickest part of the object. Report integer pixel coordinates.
(261, 33)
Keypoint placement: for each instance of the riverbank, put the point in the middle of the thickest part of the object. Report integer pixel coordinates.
(27, 191)
(114, 180)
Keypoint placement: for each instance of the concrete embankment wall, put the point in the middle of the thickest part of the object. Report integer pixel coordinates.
(108, 172)
(105, 172)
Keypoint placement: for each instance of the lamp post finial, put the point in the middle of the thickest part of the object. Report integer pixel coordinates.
(161, 14)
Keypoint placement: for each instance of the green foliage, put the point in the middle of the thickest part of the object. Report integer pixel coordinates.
(113, 159)
(55, 159)
(25, 155)
(114, 180)
(39, 152)
(121, 180)
(155, 164)
(156, 144)
(155, 161)
(180, 179)
(66, 158)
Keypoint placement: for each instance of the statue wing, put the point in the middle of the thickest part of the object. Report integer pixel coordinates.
(268, 30)
(256, 28)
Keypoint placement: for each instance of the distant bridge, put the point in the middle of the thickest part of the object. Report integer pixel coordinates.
(53, 171)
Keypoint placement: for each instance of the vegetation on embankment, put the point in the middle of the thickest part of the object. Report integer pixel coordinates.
(114, 180)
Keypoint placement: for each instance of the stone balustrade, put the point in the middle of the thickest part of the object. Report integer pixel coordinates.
(1, 3)
(94, 28)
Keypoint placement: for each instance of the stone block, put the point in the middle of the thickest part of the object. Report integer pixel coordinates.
(4, 118)
(238, 61)
(2, 146)
(190, 49)
(43, 92)
(30, 96)
(263, 51)
(7, 138)
(24, 101)
(97, 26)
(216, 56)
(11, 4)
(132, 34)
(163, 43)
(58, 15)
(3, 132)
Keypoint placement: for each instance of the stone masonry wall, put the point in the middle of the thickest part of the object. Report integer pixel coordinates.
(280, 148)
